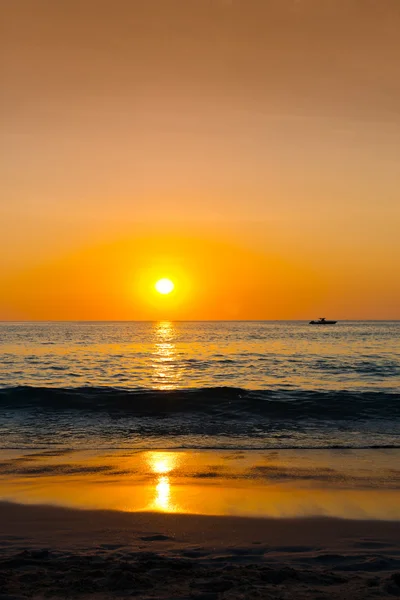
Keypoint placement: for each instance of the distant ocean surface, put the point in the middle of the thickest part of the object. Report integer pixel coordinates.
(254, 385)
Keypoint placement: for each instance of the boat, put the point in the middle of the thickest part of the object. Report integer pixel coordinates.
(322, 321)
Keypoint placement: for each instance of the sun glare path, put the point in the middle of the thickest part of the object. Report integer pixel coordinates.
(164, 286)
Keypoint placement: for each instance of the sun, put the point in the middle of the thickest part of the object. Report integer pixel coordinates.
(164, 286)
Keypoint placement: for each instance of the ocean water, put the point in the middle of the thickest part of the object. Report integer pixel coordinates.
(227, 385)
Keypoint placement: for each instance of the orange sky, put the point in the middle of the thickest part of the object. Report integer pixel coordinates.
(249, 149)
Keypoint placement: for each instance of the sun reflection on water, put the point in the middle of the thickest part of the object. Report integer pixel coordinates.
(166, 373)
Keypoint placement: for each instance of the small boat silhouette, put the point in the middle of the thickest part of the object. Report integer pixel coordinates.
(322, 321)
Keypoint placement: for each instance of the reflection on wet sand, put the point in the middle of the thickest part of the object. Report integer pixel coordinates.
(163, 495)
(162, 463)
(270, 484)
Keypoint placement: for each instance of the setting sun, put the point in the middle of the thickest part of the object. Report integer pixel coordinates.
(164, 286)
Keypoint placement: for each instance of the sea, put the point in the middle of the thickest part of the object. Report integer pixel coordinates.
(251, 385)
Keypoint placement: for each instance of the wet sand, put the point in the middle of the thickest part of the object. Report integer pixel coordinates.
(359, 484)
(55, 552)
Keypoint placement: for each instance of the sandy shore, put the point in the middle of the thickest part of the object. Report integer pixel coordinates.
(55, 552)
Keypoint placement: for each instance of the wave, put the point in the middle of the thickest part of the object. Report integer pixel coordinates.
(221, 402)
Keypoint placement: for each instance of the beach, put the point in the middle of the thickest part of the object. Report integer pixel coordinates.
(54, 552)
(201, 525)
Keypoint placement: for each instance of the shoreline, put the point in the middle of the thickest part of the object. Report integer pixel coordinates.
(217, 529)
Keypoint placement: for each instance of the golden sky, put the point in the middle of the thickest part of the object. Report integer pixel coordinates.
(247, 149)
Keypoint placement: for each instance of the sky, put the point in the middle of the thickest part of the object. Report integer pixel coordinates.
(246, 149)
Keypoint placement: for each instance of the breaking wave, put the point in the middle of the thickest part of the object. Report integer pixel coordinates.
(226, 402)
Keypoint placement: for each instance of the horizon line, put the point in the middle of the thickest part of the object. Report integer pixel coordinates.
(184, 320)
